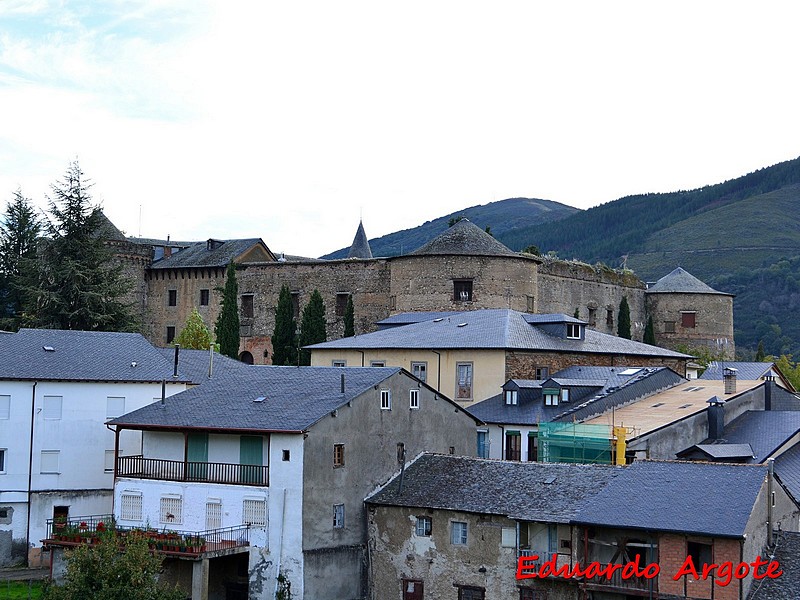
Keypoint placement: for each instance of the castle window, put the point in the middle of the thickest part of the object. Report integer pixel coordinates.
(296, 304)
(688, 319)
(669, 326)
(170, 333)
(172, 299)
(592, 316)
(204, 297)
(341, 304)
(610, 317)
(542, 373)
(462, 290)
(247, 305)
(530, 305)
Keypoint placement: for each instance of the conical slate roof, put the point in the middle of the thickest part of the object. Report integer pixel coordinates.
(360, 247)
(681, 281)
(464, 238)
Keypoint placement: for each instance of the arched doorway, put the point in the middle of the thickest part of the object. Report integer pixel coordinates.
(246, 358)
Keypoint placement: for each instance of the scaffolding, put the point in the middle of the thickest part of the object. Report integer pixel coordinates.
(576, 443)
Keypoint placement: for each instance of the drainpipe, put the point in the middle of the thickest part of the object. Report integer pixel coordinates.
(280, 549)
(770, 500)
(30, 475)
(438, 371)
(502, 443)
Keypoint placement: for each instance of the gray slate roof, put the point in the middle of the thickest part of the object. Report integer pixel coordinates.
(193, 364)
(787, 468)
(746, 371)
(764, 430)
(492, 329)
(198, 254)
(294, 399)
(712, 499)
(681, 281)
(785, 587)
(81, 356)
(720, 451)
(464, 238)
(545, 492)
(360, 246)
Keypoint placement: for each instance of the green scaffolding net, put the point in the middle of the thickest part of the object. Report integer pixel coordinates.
(575, 443)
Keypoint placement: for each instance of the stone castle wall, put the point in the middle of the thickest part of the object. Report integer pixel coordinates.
(711, 327)
(523, 365)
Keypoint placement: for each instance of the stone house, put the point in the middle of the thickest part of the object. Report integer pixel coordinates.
(469, 355)
(57, 388)
(457, 527)
(271, 469)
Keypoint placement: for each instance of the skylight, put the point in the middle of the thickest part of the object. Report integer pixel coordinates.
(260, 399)
(630, 371)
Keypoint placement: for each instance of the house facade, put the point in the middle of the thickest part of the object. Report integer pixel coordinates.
(57, 389)
(271, 472)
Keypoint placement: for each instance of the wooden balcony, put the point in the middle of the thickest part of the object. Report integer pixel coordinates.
(206, 472)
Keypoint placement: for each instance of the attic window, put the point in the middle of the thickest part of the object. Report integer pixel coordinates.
(630, 371)
(48, 349)
(260, 399)
(213, 244)
(573, 331)
(657, 404)
(685, 406)
(462, 290)
(551, 397)
(461, 325)
(511, 397)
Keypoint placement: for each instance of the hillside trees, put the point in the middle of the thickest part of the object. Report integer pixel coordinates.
(284, 344)
(226, 328)
(195, 334)
(77, 285)
(312, 326)
(19, 230)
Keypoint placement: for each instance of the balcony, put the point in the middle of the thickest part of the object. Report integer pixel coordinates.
(178, 470)
(639, 586)
(90, 530)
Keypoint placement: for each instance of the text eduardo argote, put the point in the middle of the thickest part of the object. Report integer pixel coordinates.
(723, 573)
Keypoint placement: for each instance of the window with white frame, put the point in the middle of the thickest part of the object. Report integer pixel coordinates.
(458, 533)
(573, 331)
(377, 363)
(131, 506)
(463, 381)
(108, 461)
(5, 407)
(551, 397)
(49, 461)
(386, 400)
(564, 395)
(254, 511)
(171, 510)
(115, 407)
(213, 513)
(338, 363)
(51, 408)
(511, 397)
(413, 399)
(338, 516)
(424, 526)
(420, 370)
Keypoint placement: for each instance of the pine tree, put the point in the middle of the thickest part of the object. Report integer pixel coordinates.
(760, 354)
(78, 286)
(624, 319)
(194, 335)
(312, 326)
(19, 231)
(226, 328)
(284, 344)
(349, 318)
(649, 332)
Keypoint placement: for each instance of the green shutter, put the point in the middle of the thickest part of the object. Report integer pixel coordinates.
(197, 455)
(251, 452)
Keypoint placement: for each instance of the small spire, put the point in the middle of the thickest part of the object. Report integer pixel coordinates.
(360, 247)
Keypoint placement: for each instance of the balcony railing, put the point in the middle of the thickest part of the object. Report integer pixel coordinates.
(90, 529)
(179, 470)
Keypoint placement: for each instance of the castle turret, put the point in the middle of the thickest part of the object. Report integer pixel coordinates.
(360, 246)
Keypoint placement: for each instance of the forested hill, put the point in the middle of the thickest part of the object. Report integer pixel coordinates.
(502, 217)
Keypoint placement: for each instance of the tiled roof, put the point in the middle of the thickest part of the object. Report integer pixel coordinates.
(782, 399)
(360, 246)
(765, 430)
(199, 255)
(81, 356)
(294, 398)
(492, 329)
(194, 364)
(681, 281)
(785, 587)
(546, 492)
(712, 499)
(464, 238)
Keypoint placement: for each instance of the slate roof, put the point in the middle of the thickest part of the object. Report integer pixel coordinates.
(787, 468)
(712, 499)
(198, 254)
(720, 451)
(81, 356)
(547, 492)
(360, 246)
(746, 371)
(588, 397)
(681, 281)
(294, 399)
(464, 238)
(785, 587)
(193, 364)
(492, 329)
(407, 318)
(765, 430)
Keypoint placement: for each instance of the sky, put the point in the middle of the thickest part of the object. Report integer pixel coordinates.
(290, 121)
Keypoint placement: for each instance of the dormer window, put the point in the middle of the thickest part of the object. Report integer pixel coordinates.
(511, 397)
(564, 395)
(573, 331)
(551, 396)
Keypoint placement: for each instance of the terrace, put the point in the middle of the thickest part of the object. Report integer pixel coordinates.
(181, 470)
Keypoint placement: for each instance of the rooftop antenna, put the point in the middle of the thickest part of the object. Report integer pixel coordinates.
(140, 220)
(210, 360)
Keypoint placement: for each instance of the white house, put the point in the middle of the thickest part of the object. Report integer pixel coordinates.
(57, 389)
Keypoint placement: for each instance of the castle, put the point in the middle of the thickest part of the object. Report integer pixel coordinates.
(464, 268)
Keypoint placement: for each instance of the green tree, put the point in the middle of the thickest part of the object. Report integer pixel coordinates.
(195, 334)
(789, 368)
(284, 342)
(226, 328)
(577, 313)
(19, 230)
(624, 319)
(453, 220)
(349, 318)
(649, 332)
(78, 285)
(489, 230)
(533, 249)
(760, 355)
(105, 571)
(312, 326)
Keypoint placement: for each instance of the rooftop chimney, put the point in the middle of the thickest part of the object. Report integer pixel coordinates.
(175, 370)
(729, 378)
(716, 418)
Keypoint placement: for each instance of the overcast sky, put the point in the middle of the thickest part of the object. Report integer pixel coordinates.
(290, 120)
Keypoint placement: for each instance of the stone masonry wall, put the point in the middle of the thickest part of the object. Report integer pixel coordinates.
(522, 365)
(713, 327)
